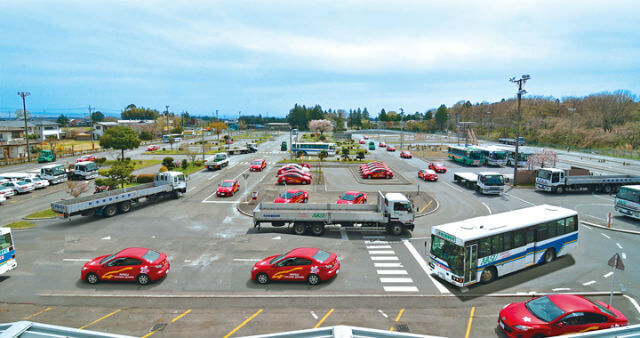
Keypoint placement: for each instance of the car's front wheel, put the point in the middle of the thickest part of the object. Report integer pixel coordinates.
(92, 278)
(262, 278)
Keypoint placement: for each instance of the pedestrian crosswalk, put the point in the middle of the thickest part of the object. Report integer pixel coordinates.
(249, 162)
(393, 276)
(271, 152)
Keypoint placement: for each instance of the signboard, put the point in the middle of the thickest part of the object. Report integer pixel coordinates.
(616, 262)
(245, 175)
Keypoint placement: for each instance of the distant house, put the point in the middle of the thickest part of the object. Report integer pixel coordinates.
(12, 137)
(139, 125)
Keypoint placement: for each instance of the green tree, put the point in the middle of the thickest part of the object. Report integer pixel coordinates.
(360, 155)
(383, 115)
(168, 162)
(131, 112)
(97, 116)
(345, 154)
(121, 138)
(120, 172)
(146, 135)
(177, 130)
(62, 120)
(442, 115)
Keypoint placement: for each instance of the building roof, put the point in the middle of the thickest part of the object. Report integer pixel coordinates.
(13, 124)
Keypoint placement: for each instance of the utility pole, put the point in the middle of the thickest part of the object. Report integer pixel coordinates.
(24, 114)
(572, 110)
(401, 127)
(166, 114)
(521, 81)
(91, 125)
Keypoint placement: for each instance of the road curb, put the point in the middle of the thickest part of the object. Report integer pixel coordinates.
(242, 212)
(430, 212)
(37, 218)
(612, 229)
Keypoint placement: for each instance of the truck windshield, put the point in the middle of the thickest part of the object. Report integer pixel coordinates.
(219, 157)
(449, 252)
(629, 194)
(181, 178)
(544, 174)
(399, 206)
(494, 180)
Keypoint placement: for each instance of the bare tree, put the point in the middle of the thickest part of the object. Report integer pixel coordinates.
(548, 157)
(320, 125)
(76, 189)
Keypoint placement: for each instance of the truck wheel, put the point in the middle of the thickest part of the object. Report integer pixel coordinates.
(560, 190)
(313, 279)
(299, 229)
(317, 229)
(110, 211)
(395, 229)
(176, 194)
(124, 206)
(607, 189)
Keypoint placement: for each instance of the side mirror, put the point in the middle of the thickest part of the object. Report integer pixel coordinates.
(560, 324)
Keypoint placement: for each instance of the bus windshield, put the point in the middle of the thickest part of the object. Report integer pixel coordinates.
(498, 155)
(5, 241)
(449, 252)
(476, 155)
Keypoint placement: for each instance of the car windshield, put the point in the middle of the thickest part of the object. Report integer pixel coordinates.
(277, 258)
(151, 256)
(544, 174)
(494, 180)
(226, 184)
(106, 259)
(544, 309)
(437, 164)
(321, 256)
(348, 197)
(602, 308)
(257, 162)
(449, 252)
(287, 195)
(21, 183)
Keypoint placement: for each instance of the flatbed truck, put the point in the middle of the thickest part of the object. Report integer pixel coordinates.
(559, 181)
(393, 212)
(108, 203)
(483, 182)
(246, 149)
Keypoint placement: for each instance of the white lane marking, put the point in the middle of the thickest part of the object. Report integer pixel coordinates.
(608, 274)
(619, 246)
(633, 302)
(605, 235)
(343, 234)
(400, 289)
(247, 259)
(516, 197)
(589, 283)
(387, 265)
(212, 176)
(452, 187)
(598, 218)
(240, 174)
(586, 226)
(383, 314)
(76, 260)
(313, 314)
(223, 202)
(375, 242)
(384, 258)
(486, 206)
(396, 280)
(560, 289)
(424, 266)
(381, 252)
(624, 255)
(379, 247)
(106, 238)
(373, 237)
(392, 272)
(603, 198)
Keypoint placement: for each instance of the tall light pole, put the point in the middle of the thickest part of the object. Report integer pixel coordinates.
(166, 113)
(521, 81)
(24, 114)
(401, 127)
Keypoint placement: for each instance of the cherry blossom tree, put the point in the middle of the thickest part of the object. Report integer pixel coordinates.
(320, 125)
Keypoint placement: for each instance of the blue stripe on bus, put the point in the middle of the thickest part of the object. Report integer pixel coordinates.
(7, 256)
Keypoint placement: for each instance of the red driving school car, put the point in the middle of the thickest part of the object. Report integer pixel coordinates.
(437, 167)
(302, 264)
(258, 165)
(555, 315)
(228, 187)
(131, 264)
(353, 197)
(292, 196)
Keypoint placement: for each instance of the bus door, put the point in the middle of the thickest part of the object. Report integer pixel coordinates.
(470, 263)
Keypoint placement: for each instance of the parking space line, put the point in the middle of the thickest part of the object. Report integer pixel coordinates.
(387, 265)
(426, 206)
(37, 313)
(243, 324)
(323, 319)
(99, 319)
(469, 324)
(633, 302)
(172, 321)
(180, 316)
(392, 272)
(397, 318)
(396, 280)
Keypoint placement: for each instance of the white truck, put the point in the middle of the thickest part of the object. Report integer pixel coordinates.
(217, 162)
(393, 212)
(239, 149)
(559, 180)
(85, 170)
(54, 173)
(108, 203)
(628, 201)
(483, 182)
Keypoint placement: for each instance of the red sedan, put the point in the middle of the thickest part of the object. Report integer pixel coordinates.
(555, 315)
(406, 154)
(85, 158)
(294, 166)
(378, 173)
(382, 144)
(390, 148)
(152, 147)
(371, 165)
(258, 165)
(302, 264)
(438, 167)
(292, 196)
(428, 175)
(361, 141)
(228, 188)
(366, 137)
(132, 264)
(353, 197)
(294, 178)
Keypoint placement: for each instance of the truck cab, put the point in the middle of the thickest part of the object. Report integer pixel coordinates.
(283, 146)
(85, 170)
(174, 178)
(252, 147)
(399, 208)
(548, 179)
(46, 155)
(218, 161)
(490, 183)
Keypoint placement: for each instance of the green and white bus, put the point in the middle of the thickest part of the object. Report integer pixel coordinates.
(468, 156)
(523, 155)
(492, 156)
(482, 249)
(313, 148)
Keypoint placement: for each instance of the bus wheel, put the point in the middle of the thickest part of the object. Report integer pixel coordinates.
(488, 274)
(317, 229)
(110, 211)
(549, 255)
(299, 229)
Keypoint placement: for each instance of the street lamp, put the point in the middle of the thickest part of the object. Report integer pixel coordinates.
(166, 114)
(26, 129)
(521, 81)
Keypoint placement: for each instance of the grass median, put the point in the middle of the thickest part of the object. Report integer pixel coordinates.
(137, 164)
(42, 214)
(20, 225)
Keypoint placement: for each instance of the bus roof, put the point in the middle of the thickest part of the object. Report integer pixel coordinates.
(464, 148)
(483, 226)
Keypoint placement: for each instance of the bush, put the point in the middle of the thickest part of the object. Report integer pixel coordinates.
(198, 163)
(146, 136)
(100, 160)
(163, 169)
(184, 164)
(103, 172)
(361, 155)
(106, 181)
(144, 178)
(168, 163)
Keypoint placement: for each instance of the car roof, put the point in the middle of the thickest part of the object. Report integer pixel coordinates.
(132, 252)
(232, 181)
(259, 159)
(305, 252)
(353, 192)
(294, 190)
(572, 303)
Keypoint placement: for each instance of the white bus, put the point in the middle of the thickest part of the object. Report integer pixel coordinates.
(628, 201)
(7, 251)
(177, 138)
(54, 173)
(523, 155)
(492, 155)
(482, 249)
(314, 148)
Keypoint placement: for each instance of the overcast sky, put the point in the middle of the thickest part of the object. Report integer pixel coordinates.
(265, 56)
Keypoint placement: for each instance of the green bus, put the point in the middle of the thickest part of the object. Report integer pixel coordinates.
(465, 155)
(46, 156)
(372, 145)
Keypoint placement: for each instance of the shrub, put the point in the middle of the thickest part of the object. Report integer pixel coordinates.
(198, 163)
(100, 160)
(184, 164)
(106, 181)
(144, 178)
(361, 155)
(146, 135)
(168, 163)
(103, 172)
(163, 169)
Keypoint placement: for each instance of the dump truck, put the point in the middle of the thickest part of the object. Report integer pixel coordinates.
(393, 212)
(109, 203)
(483, 182)
(560, 180)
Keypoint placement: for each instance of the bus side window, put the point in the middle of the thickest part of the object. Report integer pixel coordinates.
(572, 224)
(518, 239)
(530, 236)
(485, 248)
(541, 232)
(560, 227)
(506, 238)
(496, 244)
(551, 229)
